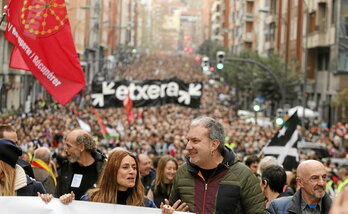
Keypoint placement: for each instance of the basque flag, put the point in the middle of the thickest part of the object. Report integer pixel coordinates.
(41, 35)
(283, 145)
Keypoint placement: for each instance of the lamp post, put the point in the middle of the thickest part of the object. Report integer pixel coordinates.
(304, 97)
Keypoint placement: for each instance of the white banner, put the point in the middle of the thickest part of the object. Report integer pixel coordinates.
(34, 205)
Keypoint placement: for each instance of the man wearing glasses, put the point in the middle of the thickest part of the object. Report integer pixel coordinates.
(311, 197)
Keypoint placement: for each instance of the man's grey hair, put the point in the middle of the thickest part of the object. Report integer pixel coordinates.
(88, 141)
(267, 161)
(215, 129)
(43, 154)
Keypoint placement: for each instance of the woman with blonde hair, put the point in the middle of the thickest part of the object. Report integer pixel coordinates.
(166, 170)
(7, 179)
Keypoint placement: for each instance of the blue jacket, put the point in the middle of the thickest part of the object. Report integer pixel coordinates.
(31, 189)
(292, 204)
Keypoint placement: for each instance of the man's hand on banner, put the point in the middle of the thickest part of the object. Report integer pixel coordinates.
(45, 197)
(67, 198)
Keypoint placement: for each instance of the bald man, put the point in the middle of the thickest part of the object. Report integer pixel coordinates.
(42, 169)
(311, 197)
(84, 163)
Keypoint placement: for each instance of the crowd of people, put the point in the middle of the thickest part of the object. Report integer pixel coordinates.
(166, 157)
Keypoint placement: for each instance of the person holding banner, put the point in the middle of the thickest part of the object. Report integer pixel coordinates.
(213, 180)
(120, 182)
(84, 163)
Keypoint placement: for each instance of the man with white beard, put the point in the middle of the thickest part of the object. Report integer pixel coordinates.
(311, 197)
(84, 163)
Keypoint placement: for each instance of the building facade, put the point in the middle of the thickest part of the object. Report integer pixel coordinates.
(309, 33)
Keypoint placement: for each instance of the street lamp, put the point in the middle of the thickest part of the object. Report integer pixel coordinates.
(305, 66)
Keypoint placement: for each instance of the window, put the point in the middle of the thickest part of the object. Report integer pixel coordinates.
(323, 58)
(249, 27)
(250, 7)
(273, 8)
(312, 23)
(248, 45)
(322, 19)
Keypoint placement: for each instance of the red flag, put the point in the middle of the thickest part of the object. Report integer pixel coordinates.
(41, 35)
(100, 121)
(17, 60)
(128, 105)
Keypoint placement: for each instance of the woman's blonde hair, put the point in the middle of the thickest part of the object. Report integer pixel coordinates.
(159, 181)
(7, 179)
(106, 191)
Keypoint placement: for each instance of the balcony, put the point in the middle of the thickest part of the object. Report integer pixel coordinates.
(269, 45)
(270, 18)
(321, 39)
(249, 17)
(248, 37)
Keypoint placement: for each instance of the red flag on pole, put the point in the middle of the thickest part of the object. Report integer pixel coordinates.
(100, 121)
(128, 105)
(43, 44)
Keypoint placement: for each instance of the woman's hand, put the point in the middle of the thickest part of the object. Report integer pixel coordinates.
(177, 206)
(67, 198)
(45, 197)
(167, 209)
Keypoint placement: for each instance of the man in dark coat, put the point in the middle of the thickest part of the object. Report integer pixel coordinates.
(311, 197)
(80, 171)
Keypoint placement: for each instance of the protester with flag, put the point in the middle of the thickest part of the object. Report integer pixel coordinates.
(283, 145)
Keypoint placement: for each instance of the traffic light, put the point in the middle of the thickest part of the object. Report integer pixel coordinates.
(205, 63)
(279, 117)
(220, 56)
(256, 107)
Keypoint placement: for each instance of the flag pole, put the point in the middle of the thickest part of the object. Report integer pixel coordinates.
(3, 15)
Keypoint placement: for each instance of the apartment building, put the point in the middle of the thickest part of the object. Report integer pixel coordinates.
(309, 33)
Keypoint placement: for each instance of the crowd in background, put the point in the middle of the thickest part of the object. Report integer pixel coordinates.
(159, 130)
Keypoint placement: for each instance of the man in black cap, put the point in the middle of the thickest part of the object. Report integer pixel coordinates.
(23, 185)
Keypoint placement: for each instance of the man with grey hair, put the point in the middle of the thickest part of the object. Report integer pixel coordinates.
(311, 197)
(84, 163)
(42, 170)
(213, 180)
(266, 162)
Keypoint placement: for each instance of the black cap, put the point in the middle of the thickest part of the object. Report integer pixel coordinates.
(9, 152)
